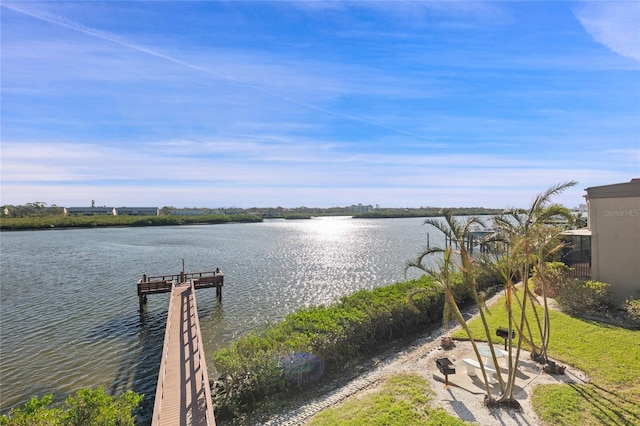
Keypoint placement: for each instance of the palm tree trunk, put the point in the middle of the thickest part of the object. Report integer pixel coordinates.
(511, 371)
(466, 328)
(487, 332)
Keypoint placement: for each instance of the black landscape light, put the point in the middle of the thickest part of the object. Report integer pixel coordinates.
(446, 367)
(504, 333)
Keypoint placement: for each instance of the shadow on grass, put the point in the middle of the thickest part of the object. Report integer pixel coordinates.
(607, 406)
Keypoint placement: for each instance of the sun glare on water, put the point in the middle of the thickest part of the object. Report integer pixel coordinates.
(333, 228)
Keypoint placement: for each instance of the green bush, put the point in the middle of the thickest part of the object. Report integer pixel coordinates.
(585, 297)
(85, 407)
(487, 273)
(632, 308)
(555, 275)
(251, 367)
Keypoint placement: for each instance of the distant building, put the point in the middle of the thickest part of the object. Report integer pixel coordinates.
(608, 249)
(138, 211)
(361, 209)
(91, 211)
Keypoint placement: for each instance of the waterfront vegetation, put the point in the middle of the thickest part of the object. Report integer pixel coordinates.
(85, 407)
(252, 367)
(37, 215)
(62, 221)
(391, 213)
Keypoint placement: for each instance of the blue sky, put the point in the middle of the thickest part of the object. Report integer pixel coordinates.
(328, 103)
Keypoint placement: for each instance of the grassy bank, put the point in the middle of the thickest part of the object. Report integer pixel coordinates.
(62, 222)
(608, 354)
(401, 400)
(312, 342)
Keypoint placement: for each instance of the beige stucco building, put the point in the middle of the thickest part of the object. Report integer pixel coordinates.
(611, 242)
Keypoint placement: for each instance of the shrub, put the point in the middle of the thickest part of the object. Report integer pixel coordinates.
(632, 308)
(585, 297)
(85, 407)
(554, 276)
(487, 273)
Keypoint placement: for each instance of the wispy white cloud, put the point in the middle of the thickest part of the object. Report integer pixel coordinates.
(256, 77)
(250, 164)
(615, 24)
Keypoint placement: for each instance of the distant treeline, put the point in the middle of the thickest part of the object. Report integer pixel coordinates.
(426, 212)
(38, 215)
(99, 221)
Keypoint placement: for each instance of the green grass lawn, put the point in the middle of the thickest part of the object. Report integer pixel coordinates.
(401, 400)
(608, 354)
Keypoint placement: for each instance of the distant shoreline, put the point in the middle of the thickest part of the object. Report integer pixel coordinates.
(87, 222)
(57, 222)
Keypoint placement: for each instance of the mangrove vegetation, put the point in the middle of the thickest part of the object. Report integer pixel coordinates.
(101, 221)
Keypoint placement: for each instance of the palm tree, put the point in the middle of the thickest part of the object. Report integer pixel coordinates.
(455, 232)
(531, 237)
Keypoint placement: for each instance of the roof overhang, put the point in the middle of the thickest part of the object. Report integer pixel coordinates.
(577, 232)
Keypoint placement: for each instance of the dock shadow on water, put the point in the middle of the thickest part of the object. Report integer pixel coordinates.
(137, 369)
(144, 371)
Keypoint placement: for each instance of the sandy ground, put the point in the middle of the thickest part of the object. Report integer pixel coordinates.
(464, 397)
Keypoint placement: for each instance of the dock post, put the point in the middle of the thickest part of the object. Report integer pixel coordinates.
(142, 299)
(219, 292)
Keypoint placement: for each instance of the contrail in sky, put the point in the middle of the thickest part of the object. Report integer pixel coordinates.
(64, 22)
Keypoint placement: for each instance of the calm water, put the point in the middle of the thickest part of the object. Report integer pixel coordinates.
(69, 309)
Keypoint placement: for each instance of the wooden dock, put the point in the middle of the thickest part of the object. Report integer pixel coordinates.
(163, 283)
(183, 395)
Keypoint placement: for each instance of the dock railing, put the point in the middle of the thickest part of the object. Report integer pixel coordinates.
(163, 362)
(211, 421)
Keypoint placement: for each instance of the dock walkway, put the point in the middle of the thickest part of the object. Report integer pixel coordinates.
(183, 396)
